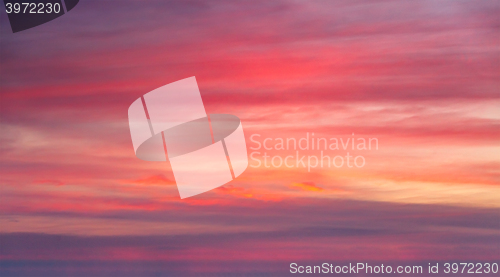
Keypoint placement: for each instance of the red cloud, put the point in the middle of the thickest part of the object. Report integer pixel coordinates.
(152, 180)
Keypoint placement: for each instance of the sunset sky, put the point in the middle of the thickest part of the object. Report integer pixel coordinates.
(422, 77)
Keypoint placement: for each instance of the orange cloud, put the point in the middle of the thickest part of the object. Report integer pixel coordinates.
(236, 191)
(307, 186)
(248, 193)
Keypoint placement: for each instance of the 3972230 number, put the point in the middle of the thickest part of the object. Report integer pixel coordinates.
(33, 8)
(471, 268)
